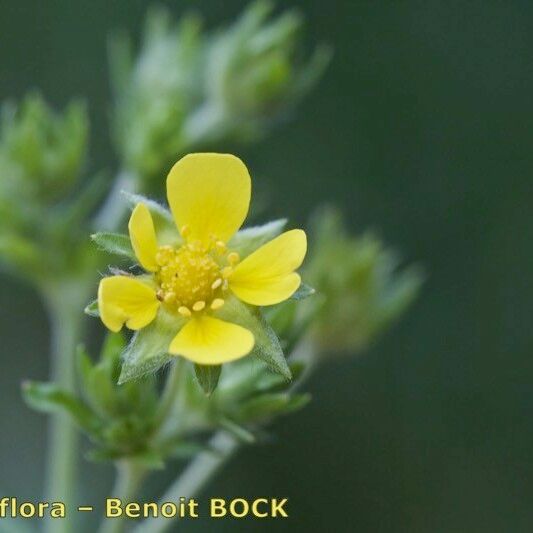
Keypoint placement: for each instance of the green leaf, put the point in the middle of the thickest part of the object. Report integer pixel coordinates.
(303, 292)
(147, 351)
(250, 239)
(49, 398)
(92, 309)
(267, 346)
(207, 376)
(114, 243)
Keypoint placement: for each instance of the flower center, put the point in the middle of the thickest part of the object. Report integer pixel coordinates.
(189, 279)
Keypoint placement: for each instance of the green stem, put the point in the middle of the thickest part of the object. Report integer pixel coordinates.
(65, 306)
(221, 448)
(115, 207)
(172, 391)
(194, 478)
(129, 477)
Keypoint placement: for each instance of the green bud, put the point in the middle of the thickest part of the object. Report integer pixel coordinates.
(154, 92)
(253, 75)
(362, 288)
(187, 89)
(41, 152)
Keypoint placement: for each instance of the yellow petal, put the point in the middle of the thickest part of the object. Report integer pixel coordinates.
(126, 300)
(209, 341)
(209, 194)
(266, 276)
(143, 238)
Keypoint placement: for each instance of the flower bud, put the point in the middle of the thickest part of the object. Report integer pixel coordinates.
(252, 75)
(362, 288)
(188, 89)
(41, 152)
(155, 92)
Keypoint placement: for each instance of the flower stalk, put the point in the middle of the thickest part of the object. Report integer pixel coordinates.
(129, 477)
(66, 329)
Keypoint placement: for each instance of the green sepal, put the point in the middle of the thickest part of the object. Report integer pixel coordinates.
(267, 346)
(92, 309)
(303, 292)
(49, 398)
(147, 351)
(156, 209)
(114, 243)
(269, 382)
(164, 224)
(208, 376)
(248, 240)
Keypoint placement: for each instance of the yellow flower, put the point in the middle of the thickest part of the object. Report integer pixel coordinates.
(209, 197)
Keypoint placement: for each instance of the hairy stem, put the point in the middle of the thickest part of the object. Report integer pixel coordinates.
(65, 307)
(129, 476)
(115, 207)
(171, 392)
(194, 478)
(221, 448)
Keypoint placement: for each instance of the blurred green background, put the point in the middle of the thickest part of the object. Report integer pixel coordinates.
(421, 129)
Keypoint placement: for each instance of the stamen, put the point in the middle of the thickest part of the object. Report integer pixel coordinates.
(217, 303)
(198, 306)
(221, 247)
(227, 272)
(169, 297)
(233, 258)
(185, 231)
(216, 284)
(184, 311)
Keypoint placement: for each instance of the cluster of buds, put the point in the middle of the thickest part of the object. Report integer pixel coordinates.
(360, 290)
(188, 89)
(363, 289)
(42, 155)
(135, 422)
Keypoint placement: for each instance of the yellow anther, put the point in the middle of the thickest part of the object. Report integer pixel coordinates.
(198, 306)
(216, 284)
(217, 303)
(169, 297)
(185, 231)
(233, 258)
(226, 272)
(187, 274)
(221, 247)
(184, 311)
